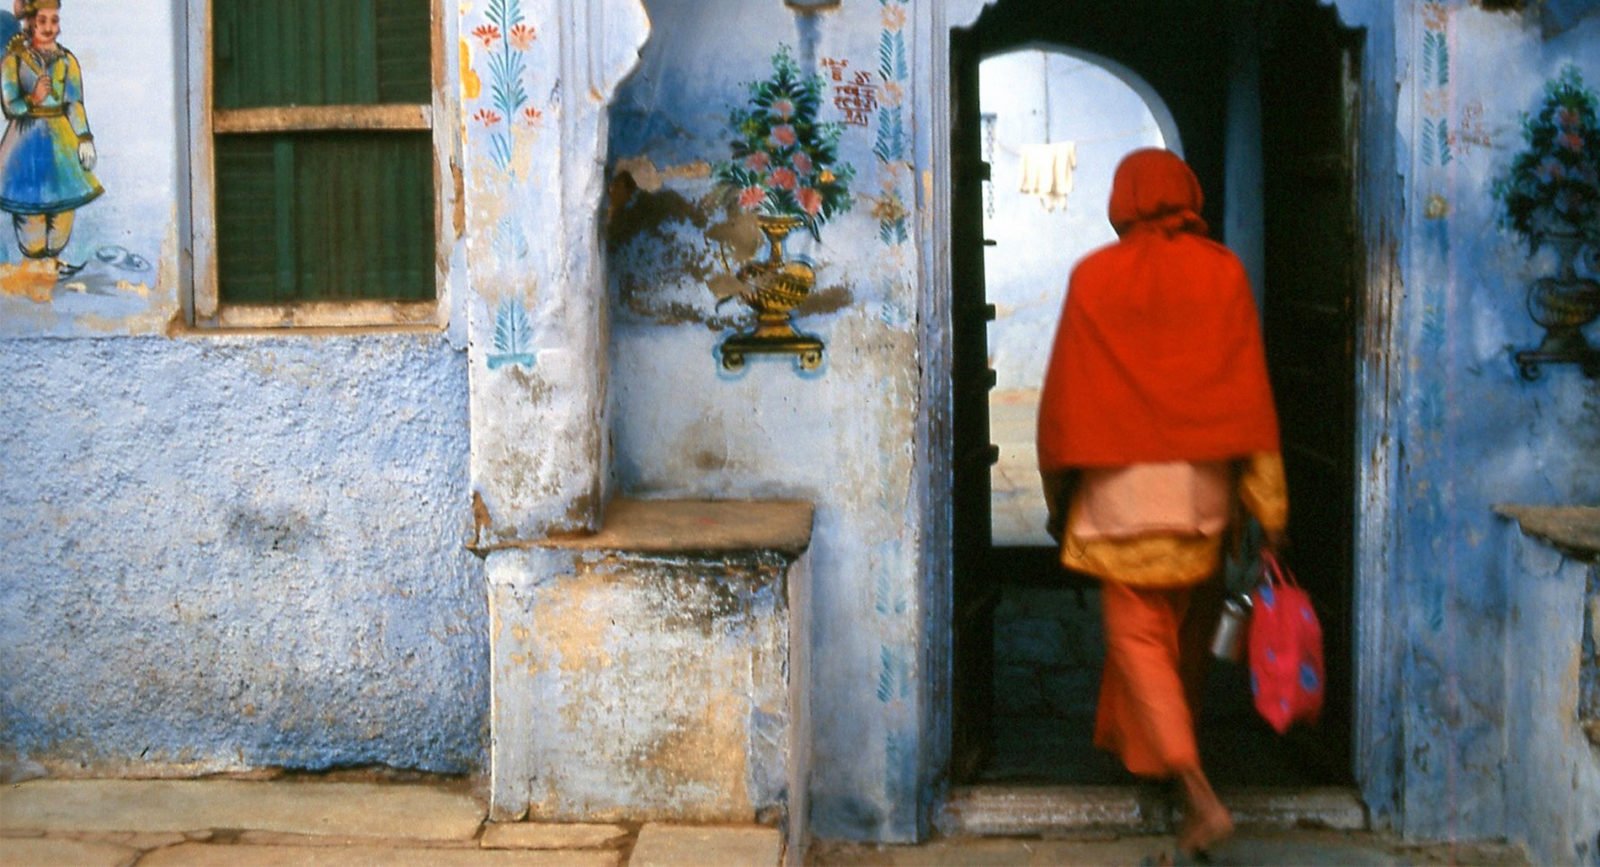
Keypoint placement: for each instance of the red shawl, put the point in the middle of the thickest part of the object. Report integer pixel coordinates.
(1158, 356)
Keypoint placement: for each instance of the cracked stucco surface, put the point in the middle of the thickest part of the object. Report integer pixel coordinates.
(238, 552)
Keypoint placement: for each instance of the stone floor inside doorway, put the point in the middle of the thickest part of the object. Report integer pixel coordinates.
(1049, 649)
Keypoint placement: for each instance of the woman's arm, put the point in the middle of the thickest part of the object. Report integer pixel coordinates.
(1058, 488)
(1264, 490)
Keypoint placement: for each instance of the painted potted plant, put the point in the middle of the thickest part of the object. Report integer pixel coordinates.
(785, 171)
(1551, 196)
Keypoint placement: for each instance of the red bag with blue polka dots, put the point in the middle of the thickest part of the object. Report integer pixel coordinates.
(1285, 644)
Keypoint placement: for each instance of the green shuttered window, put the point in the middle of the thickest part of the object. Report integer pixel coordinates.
(323, 151)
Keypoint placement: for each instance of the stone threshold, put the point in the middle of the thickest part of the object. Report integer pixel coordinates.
(1018, 810)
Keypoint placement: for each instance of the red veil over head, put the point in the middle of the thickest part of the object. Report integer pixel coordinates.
(1158, 355)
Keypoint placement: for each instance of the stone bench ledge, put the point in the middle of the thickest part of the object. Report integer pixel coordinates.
(1574, 530)
(696, 527)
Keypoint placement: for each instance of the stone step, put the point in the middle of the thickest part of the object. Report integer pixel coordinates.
(1001, 810)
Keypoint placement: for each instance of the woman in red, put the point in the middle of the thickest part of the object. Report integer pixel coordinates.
(1156, 418)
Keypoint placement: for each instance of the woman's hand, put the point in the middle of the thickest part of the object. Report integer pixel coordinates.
(86, 155)
(1058, 487)
(41, 91)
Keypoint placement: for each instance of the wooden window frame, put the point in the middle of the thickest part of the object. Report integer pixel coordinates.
(206, 309)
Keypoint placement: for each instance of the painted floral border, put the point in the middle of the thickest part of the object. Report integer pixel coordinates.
(892, 142)
(506, 37)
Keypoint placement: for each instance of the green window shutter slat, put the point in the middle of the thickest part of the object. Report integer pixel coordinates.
(246, 219)
(333, 52)
(319, 33)
(404, 43)
(284, 228)
(323, 216)
(366, 48)
(286, 61)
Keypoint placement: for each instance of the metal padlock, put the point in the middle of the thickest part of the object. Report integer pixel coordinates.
(1228, 641)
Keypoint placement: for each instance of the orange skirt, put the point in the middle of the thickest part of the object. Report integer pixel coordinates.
(1155, 668)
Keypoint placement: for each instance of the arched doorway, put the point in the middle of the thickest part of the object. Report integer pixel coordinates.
(1262, 95)
(1055, 124)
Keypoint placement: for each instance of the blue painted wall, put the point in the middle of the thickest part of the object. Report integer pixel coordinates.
(1471, 434)
(231, 552)
(843, 436)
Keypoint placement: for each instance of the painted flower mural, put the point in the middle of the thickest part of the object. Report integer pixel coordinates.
(1553, 186)
(784, 160)
(506, 37)
(1551, 195)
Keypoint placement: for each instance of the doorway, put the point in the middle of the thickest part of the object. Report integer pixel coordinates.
(1027, 641)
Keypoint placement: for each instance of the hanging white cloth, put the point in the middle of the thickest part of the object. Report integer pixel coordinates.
(1047, 172)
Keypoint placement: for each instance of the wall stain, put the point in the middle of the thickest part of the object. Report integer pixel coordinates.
(829, 300)
(537, 389)
(258, 531)
(634, 211)
(706, 749)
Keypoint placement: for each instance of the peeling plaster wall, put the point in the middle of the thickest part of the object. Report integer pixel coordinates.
(643, 686)
(1551, 766)
(534, 79)
(841, 437)
(219, 553)
(228, 553)
(1460, 405)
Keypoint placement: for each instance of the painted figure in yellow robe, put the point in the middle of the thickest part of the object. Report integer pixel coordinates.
(47, 154)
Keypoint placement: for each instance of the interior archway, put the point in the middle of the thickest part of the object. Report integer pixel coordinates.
(1056, 122)
(1253, 90)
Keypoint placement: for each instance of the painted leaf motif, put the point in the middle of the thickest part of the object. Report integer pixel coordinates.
(890, 145)
(892, 232)
(1429, 52)
(886, 690)
(511, 330)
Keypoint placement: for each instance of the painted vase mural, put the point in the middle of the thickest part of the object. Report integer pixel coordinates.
(785, 171)
(1551, 196)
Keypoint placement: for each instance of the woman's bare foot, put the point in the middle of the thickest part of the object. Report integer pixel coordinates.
(1205, 822)
(1201, 831)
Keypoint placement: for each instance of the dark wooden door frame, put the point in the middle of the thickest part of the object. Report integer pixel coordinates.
(1377, 346)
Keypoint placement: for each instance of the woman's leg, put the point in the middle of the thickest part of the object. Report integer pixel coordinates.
(1206, 820)
(1194, 641)
(1144, 714)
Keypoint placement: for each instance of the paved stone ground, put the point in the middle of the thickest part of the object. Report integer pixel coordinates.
(256, 823)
